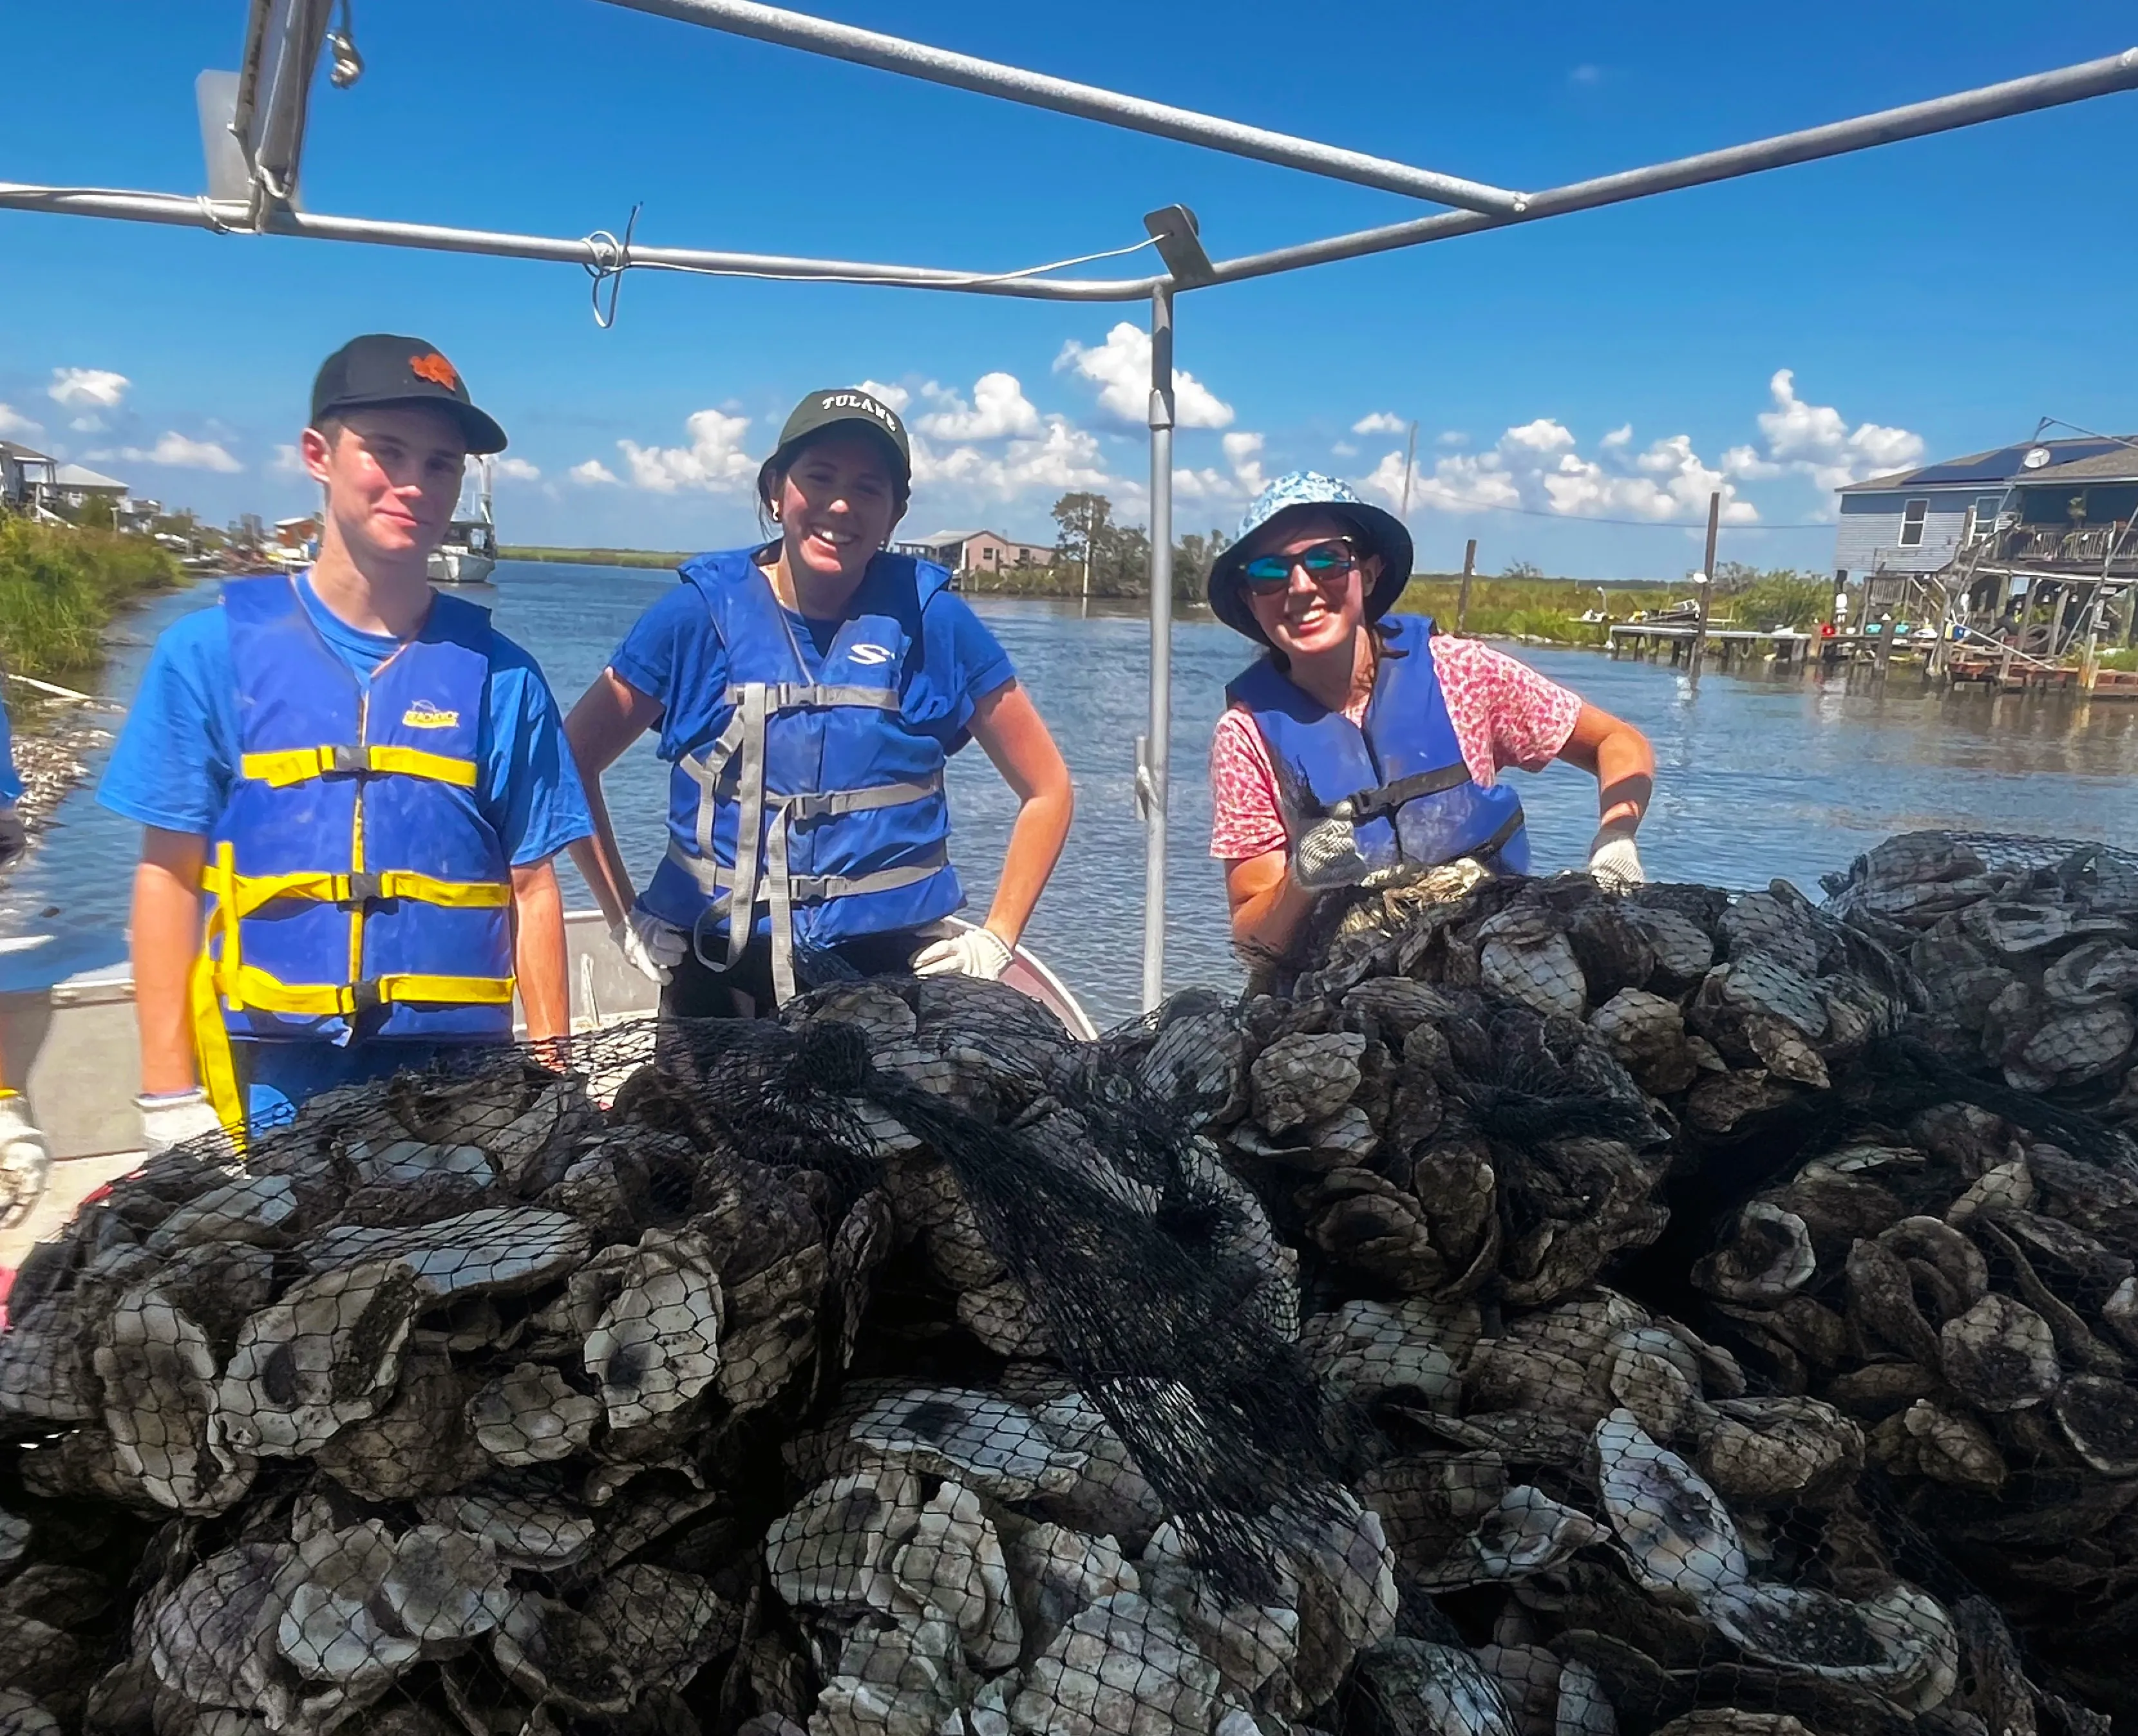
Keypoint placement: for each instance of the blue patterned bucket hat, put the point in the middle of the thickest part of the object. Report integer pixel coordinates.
(1301, 492)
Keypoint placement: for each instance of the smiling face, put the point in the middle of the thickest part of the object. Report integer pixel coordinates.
(836, 505)
(392, 476)
(1311, 618)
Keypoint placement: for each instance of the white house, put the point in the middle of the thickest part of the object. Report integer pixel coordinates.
(978, 551)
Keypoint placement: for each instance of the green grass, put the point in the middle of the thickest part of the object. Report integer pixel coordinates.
(593, 557)
(1548, 609)
(60, 588)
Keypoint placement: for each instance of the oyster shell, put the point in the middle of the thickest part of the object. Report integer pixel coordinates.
(1121, 1664)
(655, 1345)
(1416, 1685)
(1366, 1348)
(158, 1372)
(1676, 1532)
(2100, 1419)
(953, 1562)
(529, 1417)
(1304, 1077)
(833, 1551)
(2000, 1354)
(328, 1354)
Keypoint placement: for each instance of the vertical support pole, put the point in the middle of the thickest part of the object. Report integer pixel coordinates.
(1462, 596)
(1154, 749)
(1885, 653)
(1410, 463)
(1708, 590)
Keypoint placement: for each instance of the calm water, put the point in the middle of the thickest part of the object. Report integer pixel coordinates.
(1755, 778)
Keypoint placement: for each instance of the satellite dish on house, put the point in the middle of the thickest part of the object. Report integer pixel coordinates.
(2036, 459)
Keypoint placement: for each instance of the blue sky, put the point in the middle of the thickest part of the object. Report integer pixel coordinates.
(1775, 334)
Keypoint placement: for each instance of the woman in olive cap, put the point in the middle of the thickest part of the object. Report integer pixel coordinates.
(807, 693)
(1361, 741)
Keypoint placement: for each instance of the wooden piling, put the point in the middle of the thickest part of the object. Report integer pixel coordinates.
(1708, 590)
(1462, 596)
(1885, 651)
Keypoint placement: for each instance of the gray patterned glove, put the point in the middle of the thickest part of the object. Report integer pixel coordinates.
(1327, 856)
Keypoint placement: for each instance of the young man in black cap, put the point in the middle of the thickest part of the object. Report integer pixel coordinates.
(352, 787)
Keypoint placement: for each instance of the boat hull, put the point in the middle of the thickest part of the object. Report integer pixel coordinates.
(458, 567)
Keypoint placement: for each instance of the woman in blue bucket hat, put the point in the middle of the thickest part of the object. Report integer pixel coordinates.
(1362, 741)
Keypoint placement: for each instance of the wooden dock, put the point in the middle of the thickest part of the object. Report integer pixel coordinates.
(1971, 664)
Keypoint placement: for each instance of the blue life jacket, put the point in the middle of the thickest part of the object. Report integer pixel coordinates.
(359, 892)
(1411, 796)
(814, 803)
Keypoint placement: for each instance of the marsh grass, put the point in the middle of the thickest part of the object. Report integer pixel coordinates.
(60, 588)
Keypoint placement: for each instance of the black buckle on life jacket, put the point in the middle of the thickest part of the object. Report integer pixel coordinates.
(365, 889)
(365, 996)
(347, 758)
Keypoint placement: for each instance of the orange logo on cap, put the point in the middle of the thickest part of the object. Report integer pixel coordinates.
(435, 367)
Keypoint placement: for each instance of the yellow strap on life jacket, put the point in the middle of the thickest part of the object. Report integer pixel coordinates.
(294, 765)
(247, 892)
(212, 1058)
(250, 988)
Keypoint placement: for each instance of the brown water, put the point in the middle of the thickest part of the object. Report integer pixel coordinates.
(1756, 778)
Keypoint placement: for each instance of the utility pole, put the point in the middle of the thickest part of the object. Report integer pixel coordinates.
(1706, 582)
(1462, 596)
(1410, 462)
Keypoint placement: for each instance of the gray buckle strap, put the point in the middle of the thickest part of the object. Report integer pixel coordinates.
(720, 884)
(807, 695)
(750, 826)
(819, 803)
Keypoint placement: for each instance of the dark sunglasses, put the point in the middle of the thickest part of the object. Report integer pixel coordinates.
(1267, 574)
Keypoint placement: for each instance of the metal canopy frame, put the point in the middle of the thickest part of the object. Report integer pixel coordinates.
(267, 122)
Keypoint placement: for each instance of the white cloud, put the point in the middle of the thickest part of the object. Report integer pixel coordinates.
(999, 411)
(87, 388)
(897, 396)
(1243, 453)
(1380, 421)
(515, 470)
(1812, 440)
(1345, 449)
(594, 474)
(1120, 369)
(1058, 455)
(1537, 466)
(1451, 438)
(15, 426)
(287, 461)
(714, 459)
(1585, 73)
(177, 451)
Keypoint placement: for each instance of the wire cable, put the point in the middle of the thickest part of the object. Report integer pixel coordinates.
(1576, 518)
(609, 259)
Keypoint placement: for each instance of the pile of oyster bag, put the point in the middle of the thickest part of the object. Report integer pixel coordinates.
(1544, 1314)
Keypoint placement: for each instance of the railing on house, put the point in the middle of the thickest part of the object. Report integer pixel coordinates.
(2093, 550)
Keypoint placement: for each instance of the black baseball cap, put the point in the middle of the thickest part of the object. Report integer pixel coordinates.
(834, 407)
(380, 369)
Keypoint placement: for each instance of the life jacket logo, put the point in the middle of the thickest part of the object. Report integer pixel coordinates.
(435, 368)
(424, 716)
(862, 402)
(870, 657)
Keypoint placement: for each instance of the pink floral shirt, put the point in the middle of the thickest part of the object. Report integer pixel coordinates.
(1505, 714)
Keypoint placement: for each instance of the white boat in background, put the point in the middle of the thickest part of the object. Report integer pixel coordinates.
(468, 556)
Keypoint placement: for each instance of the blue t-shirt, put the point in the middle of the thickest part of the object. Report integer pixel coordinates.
(673, 654)
(177, 756)
(11, 780)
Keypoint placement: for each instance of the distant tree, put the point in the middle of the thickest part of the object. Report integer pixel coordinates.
(1522, 569)
(1193, 556)
(97, 512)
(1083, 518)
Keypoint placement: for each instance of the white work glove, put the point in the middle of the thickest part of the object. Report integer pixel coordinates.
(655, 948)
(1327, 856)
(968, 953)
(171, 1118)
(1613, 862)
(25, 1161)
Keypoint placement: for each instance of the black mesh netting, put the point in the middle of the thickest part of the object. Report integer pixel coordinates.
(1540, 1314)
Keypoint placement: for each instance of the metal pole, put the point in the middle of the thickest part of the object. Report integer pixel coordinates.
(1410, 460)
(1462, 596)
(1037, 90)
(1917, 120)
(1708, 590)
(1154, 749)
(188, 212)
